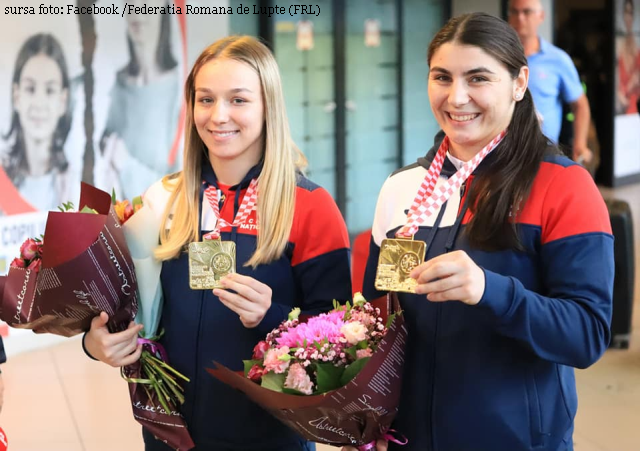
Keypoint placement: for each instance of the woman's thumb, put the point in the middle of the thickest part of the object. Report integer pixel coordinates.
(100, 321)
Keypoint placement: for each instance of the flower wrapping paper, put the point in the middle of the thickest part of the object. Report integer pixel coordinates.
(355, 414)
(87, 268)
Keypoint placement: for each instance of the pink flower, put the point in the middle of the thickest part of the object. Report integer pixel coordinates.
(17, 263)
(354, 332)
(272, 361)
(362, 353)
(35, 265)
(298, 379)
(255, 373)
(29, 249)
(259, 350)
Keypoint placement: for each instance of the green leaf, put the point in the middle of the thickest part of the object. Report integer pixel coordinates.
(294, 314)
(248, 364)
(273, 381)
(328, 377)
(351, 351)
(137, 201)
(113, 196)
(352, 370)
(87, 209)
(362, 344)
(390, 319)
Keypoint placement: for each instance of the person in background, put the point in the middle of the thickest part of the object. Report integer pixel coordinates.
(553, 80)
(292, 252)
(516, 287)
(143, 116)
(35, 161)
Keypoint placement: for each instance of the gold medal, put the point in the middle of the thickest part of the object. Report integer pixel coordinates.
(397, 259)
(210, 261)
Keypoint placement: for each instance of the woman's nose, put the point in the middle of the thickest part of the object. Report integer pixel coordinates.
(458, 94)
(220, 113)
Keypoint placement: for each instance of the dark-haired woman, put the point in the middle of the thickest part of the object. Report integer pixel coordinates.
(515, 290)
(139, 140)
(35, 161)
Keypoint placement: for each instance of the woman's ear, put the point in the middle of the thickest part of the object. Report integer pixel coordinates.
(520, 83)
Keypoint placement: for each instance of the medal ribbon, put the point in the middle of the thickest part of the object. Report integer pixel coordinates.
(428, 200)
(246, 207)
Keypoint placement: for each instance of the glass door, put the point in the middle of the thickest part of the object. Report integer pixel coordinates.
(303, 45)
(372, 105)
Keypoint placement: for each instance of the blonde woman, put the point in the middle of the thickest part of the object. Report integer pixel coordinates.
(292, 250)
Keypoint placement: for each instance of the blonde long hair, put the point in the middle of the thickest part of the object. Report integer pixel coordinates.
(281, 160)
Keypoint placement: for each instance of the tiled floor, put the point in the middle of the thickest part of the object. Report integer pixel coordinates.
(59, 400)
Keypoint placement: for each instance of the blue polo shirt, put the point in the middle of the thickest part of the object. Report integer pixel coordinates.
(553, 80)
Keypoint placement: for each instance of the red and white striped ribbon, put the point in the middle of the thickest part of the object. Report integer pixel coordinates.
(428, 200)
(248, 204)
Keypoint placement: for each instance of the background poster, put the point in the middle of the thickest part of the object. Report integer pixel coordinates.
(128, 135)
(627, 89)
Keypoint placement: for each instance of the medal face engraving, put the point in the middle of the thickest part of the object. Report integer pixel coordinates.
(210, 261)
(397, 259)
(221, 262)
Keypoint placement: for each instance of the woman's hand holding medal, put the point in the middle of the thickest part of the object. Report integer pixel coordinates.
(450, 277)
(246, 296)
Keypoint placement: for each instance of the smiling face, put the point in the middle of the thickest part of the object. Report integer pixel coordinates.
(526, 16)
(228, 111)
(472, 96)
(39, 98)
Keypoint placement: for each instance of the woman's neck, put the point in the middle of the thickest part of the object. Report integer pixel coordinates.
(149, 68)
(38, 154)
(463, 154)
(231, 172)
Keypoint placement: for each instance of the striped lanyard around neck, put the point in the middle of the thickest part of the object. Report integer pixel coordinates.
(249, 202)
(428, 200)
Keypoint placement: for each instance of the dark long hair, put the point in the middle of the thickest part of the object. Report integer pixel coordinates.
(504, 180)
(164, 55)
(16, 165)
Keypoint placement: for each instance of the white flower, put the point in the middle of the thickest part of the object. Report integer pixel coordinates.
(354, 332)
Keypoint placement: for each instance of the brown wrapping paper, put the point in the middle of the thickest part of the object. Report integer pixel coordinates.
(356, 414)
(86, 269)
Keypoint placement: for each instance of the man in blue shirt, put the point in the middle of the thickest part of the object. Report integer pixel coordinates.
(553, 78)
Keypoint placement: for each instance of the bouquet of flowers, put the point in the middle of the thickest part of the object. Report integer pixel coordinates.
(319, 355)
(60, 282)
(334, 379)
